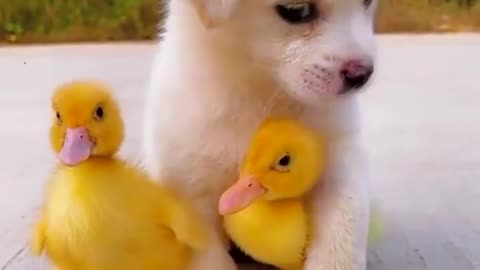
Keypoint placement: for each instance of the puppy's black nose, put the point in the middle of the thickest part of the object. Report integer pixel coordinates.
(355, 74)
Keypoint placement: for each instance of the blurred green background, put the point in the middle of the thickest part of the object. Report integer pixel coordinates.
(45, 21)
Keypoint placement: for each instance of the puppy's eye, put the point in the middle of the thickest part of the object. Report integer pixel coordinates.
(99, 113)
(297, 13)
(367, 3)
(283, 163)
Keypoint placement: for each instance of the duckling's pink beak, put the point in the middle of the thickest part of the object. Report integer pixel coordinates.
(246, 190)
(77, 146)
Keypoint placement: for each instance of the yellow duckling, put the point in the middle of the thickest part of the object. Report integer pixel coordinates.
(264, 211)
(102, 213)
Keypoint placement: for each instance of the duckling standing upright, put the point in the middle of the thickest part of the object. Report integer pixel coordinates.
(102, 213)
(264, 211)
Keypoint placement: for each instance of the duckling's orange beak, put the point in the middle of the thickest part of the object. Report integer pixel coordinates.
(246, 190)
(77, 146)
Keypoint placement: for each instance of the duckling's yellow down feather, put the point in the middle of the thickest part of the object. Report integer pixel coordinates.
(101, 212)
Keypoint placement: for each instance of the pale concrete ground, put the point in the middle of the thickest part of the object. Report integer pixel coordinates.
(422, 123)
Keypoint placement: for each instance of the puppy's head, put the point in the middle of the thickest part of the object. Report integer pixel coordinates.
(315, 49)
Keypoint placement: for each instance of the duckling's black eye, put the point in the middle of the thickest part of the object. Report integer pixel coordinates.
(284, 161)
(283, 164)
(99, 113)
(297, 13)
(59, 118)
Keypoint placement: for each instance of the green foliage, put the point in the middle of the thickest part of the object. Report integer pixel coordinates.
(27, 21)
(78, 20)
(428, 16)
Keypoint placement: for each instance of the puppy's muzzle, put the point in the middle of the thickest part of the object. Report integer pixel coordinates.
(355, 74)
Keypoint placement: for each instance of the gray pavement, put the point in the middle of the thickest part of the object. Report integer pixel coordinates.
(422, 124)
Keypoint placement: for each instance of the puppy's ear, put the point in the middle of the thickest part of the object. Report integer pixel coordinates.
(214, 12)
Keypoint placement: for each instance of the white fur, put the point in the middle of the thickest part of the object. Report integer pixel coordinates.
(224, 66)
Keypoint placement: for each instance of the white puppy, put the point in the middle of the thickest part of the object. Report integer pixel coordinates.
(225, 65)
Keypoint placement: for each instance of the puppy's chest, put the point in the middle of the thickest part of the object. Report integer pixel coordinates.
(223, 142)
(226, 129)
(225, 138)
(218, 133)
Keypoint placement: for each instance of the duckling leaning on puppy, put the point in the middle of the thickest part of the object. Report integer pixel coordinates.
(264, 211)
(100, 212)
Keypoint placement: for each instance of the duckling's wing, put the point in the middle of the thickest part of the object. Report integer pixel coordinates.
(179, 215)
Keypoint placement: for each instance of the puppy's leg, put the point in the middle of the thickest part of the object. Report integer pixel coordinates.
(216, 254)
(341, 213)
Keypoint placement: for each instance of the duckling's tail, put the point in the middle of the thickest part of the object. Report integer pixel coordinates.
(376, 228)
(37, 242)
